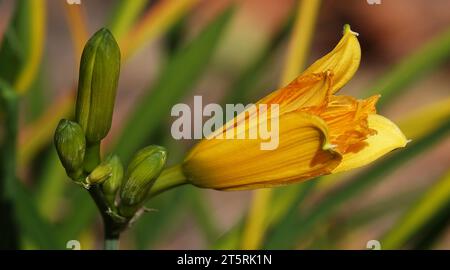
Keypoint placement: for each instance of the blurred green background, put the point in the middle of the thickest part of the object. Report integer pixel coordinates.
(228, 52)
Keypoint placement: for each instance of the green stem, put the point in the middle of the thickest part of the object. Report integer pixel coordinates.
(112, 233)
(169, 178)
(92, 157)
(112, 228)
(111, 243)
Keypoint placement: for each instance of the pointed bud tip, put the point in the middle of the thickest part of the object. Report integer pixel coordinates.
(63, 124)
(103, 32)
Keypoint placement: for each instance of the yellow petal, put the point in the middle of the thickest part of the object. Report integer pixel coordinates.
(303, 152)
(306, 90)
(342, 61)
(388, 138)
(311, 90)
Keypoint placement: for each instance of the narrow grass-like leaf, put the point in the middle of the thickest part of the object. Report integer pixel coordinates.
(124, 15)
(36, 33)
(413, 67)
(433, 200)
(51, 185)
(10, 116)
(35, 98)
(31, 223)
(429, 118)
(23, 214)
(154, 23)
(231, 239)
(300, 40)
(381, 208)
(433, 232)
(77, 22)
(202, 214)
(15, 43)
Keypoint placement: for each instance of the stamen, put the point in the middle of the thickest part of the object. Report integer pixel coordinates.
(347, 121)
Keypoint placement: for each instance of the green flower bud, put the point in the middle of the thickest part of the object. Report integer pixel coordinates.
(113, 183)
(71, 146)
(142, 172)
(102, 172)
(99, 75)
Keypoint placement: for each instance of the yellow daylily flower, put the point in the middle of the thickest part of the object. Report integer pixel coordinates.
(319, 132)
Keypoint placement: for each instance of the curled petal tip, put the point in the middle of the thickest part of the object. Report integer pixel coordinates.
(347, 29)
(343, 60)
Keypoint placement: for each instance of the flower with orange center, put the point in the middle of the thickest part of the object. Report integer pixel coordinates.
(319, 132)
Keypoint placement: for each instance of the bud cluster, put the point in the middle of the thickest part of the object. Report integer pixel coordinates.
(77, 142)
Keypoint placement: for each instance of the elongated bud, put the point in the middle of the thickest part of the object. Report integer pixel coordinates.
(102, 172)
(97, 85)
(142, 172)
(111, 186)
(71, 146)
